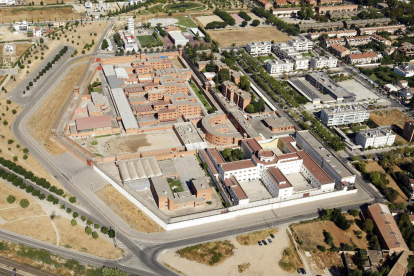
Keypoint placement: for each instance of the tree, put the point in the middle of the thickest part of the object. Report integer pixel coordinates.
(244, 23)
(74, 222)
(111, 234)
(89, 222)
(69, 210)
(354, 212)
(410, 265)
(250, 108)
(72, 199)
(224, 75)
(24, 203)
(211, 67)
(321, 248)
(245, 83)
(105, 44)
(10, 199)
(97, 226)
(104, 230)
(83, 218)
(256, 22)
(374, 243)
(95, 235)
(88, 230)
(197, 36)
(368, 226)
(75, 214)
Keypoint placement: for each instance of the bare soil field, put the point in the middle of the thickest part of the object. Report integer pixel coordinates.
(77, 239)
(124, 208)
(21, 48)
(10, 150)
(205, 253)
(17, 213)
(374, 166)
(254, 237)
(312, 234)
(290, 260)
(85, 32)
(37, 13)
(242, 36)
(40, 124)
(204, 20)
(329, 260)
(39, 228)
(389, 117)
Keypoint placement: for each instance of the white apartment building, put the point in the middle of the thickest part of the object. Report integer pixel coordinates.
(279, 66)
(323, 62)
(343, 116)
(131, 25)
(300, 62)
(7, 2)
(21, 26)
(375, 137)
(301, 44)
(244, 170)
(406, 70)
(37, 32)
(276, 183)
(259, 48)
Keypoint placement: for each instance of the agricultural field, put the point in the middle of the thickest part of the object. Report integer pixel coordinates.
(38, 14)
(389, 117)
(242, 36)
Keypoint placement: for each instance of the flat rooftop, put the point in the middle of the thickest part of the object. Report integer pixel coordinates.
(255, 190)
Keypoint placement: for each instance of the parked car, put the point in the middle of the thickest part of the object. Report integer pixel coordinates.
(299, 271)
(272, 236)
(264, 242)
(303, 271)
(260, 243)
(269, 240)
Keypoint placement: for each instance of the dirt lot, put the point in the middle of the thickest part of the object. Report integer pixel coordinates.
(205, 253)
(21, 47)
(127, 211)
(312, 234)
(126, 144)
(374, 166)
(40, 124)
(10, 150)
(290, 260)
(389, 117)
(77, 239)
(243, 36)
(37, 13)
(263, 259)
(254, 237)
(39, 228)
(204, 20)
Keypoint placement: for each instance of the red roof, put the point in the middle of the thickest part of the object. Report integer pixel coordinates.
(93, 122)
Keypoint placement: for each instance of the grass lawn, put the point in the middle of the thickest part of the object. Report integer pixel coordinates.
(186, 5)
(146, 39)
(99, 90)
(186, 21)
(358, 128)
(308, 54)
(373, 77)
(264, 58)
(200, 95)
(175, 183)
(156, 8)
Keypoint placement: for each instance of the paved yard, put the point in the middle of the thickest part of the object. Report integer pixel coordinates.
(361, 92)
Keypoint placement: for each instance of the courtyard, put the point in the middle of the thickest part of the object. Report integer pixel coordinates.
(361, 92)
(255, 190)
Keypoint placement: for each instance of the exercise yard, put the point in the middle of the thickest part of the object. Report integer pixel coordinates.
(361, 92)
(255, 190)
(242, 36)
(127, 144)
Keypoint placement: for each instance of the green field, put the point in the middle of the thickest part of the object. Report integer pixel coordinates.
(146, 39)
(200, 95)
(156, 8)
(175, 183)
(186, 5)
(186, 21)
(264, 58)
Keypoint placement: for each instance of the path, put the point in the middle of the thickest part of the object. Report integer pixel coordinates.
(56, 231)
(304, 260)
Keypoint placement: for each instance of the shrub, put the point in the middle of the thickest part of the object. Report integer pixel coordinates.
(347, 247)
(354, 212)
(89, 222)
(104, 230)
(97, 226)
(321, 248)
(73, 222)
(24, 203)
(75, 215)
(111, 234)
(88, 230)
(11, 199)
(68, 210)
(83, 218)
(72, 199)
(95, 235)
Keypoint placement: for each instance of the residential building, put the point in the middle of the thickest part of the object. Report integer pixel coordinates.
(407, 49)
(344, 115)
(131, 25)
(258, 48)
(88, 5)
(38, 31)
(392, 29)
(323, 62)
(379, 39)
(301, 44)
(20, 26)
(408, 131)
(353, 24)
(386, 228)
(7, 2)
(279, 66)
(327, 2)
(331, 41)
(377, 137)
(388, 51)
(339, 50)
(406, 70)
(266, 4)
(128, 41)
(178, 38)
(300, 62)
(406, 93)
(310, 2)
(358, 40)
(390, 88)
(402, 83)
(285, 12)
(361, 58)
(323, 82)
(331, 25)
(9, 47)
(335, 10)
(408, 181)
(234, 94)
(344, 33)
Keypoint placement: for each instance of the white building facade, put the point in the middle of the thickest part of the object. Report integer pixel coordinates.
(375, 138)
(258, 48)
(279, 66)
(131, 26)
(323, 62)
(406, 70)
(344, 116)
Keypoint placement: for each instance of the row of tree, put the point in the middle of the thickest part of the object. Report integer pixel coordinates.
(226, 17)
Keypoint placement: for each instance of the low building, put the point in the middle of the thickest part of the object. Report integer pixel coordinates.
(407, 49)
(323, 82)
(285, 12)
(379, 39)
(408, 181)
(335, 11)
(358, 40)
(278, 124)
(331, 41)
(7, 2)
(392, 29)
(344, 33)
(406, 93)
(344, 116)
(279, 66)
(20, 26)
(323, 62)
(234, 94)
(196, 31)
(408, 131)
(339, 50)
(38, 32)
(258, 48)
(327, 2)
(361, 58)
(386, 228)
(264, 3)
(406, 70)
(91, 124)
(390, 88)
(178, 38)
(375, 138)
(88, 5)
(128, 41)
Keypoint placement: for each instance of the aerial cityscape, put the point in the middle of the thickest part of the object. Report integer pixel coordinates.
(216, 137)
